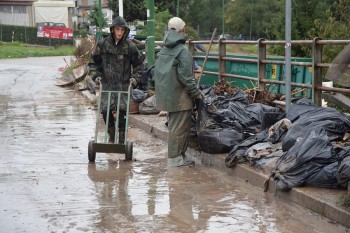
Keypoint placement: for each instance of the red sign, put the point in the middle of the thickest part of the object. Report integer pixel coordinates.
(55, 32)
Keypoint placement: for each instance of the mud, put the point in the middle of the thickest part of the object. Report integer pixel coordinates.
(48, 185)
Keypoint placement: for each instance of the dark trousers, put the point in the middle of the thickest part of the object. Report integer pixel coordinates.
(111, 121)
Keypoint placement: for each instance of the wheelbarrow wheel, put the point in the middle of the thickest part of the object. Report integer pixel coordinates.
(128, 150)
(91, 152)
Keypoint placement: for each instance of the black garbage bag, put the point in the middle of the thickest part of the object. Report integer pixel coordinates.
(238, 153)
(343, 173)
(332, 121)
(232, 113)
(299, 108)
(218, 140)
(325, 178)
(304, 160)
(270, 118)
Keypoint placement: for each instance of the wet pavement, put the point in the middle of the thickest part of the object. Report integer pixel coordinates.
(48, 185)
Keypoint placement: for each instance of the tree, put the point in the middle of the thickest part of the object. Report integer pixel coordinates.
(258, 17)
(134, 10)
(205, 15)
(335, 26)
(93, 17)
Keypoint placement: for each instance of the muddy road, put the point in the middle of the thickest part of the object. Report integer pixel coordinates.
(48, 185)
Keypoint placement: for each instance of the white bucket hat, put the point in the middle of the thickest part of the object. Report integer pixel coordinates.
(176, 24)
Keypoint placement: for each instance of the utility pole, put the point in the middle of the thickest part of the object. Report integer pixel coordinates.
(288, 49)
(251, 20)
(121, 9)
(177, 8)
(150, 33)
(99, 34)
(223, 17)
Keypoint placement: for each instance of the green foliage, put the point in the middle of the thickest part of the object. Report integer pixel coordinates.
(19, 50)
(161, 25)
(132, 9)
(335, 26)
(94, 18)
(258, 18)
(203, 15)
(161, 19)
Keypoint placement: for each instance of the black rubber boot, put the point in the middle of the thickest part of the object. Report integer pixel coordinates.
(111, 133)
(121, 137)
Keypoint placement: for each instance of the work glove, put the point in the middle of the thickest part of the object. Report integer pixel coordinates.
(134, 82)
(98, 80)
(200, 96)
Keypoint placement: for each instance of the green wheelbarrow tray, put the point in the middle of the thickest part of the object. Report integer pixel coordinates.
(98, 145)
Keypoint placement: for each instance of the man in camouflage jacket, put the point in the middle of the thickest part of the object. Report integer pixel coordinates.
(115, 57)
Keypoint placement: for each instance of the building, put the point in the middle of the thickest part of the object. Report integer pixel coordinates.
(17, 12)
(54, 11)
(31, 12)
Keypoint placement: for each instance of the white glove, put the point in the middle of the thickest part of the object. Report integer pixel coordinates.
(98, 80)
(162, 113)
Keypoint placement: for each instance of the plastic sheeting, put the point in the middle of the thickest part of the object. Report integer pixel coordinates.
(54, 14)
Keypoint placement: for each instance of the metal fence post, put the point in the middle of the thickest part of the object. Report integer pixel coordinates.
(191, 46)
(222, 63)
(261, 65)
(316, 71)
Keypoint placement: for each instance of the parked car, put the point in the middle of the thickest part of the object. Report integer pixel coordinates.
(226, 36)
(62, 25)
(45, 24)
(237, 37)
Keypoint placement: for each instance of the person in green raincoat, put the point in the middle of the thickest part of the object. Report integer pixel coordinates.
(115, 58)
(175, 90)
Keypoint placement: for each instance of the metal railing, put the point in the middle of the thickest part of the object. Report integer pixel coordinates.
(317, 65)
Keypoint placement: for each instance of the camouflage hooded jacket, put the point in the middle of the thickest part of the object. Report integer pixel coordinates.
(115, 63)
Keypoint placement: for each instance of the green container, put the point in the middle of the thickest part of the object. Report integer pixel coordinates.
(300, 74)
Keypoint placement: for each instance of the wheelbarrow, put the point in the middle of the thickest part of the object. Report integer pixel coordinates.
(102, 144)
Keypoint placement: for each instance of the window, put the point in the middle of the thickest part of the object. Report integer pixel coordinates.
(5, 9)
(19, 9)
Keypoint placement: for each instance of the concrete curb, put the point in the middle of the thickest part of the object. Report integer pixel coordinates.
(319, 200)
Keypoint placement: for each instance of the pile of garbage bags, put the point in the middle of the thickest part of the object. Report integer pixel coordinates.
(306, 146)
(226, 120)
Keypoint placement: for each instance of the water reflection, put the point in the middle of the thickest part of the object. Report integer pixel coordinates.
(145, 196)
(111, 184)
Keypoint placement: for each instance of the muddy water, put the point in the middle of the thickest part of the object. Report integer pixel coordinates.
(47, 184)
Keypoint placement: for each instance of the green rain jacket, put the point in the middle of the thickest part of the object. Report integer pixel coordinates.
(175, 85)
